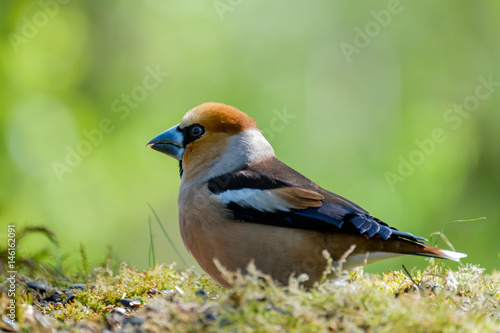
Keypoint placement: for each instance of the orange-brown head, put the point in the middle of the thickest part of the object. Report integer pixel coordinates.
(214, 138)
(218, 117)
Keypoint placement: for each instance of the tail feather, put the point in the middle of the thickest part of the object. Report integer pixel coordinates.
(430, 251)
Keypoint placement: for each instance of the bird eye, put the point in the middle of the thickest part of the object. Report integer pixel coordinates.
(196, 131)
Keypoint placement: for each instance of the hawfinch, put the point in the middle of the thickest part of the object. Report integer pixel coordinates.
(238, 203)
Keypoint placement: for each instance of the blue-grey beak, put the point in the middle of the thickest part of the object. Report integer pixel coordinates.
(170, 142)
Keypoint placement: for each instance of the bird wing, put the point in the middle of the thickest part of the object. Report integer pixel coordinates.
(272, 193)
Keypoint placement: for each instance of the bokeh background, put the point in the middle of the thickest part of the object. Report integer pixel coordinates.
(394, 105)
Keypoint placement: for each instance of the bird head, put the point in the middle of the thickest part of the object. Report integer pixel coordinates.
(214, 138)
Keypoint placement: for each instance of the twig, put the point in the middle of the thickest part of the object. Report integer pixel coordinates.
(409, 275)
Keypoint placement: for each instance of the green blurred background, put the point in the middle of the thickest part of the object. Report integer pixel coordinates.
(363, 85)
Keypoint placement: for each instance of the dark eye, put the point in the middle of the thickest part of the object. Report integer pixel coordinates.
(196, 131)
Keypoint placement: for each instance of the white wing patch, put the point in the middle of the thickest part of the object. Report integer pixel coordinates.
(262, 200)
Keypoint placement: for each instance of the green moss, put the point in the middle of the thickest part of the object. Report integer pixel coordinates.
(437, 300)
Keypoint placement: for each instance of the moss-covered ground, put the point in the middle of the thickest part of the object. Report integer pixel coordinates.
(162, 299)
(114, 297)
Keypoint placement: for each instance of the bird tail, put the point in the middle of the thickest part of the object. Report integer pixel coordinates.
(429, 251)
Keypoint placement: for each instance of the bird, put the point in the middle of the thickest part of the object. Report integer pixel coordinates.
(239, 204)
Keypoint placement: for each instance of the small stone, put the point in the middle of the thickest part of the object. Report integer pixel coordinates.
(130, 303)
(54, 298)
(168, 292)
(70, 298)
(201, 294)
(38, 286)
(118, 310)
(81, 286)
(210, 316)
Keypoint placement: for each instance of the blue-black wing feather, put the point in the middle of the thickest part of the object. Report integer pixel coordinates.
(335, 214)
